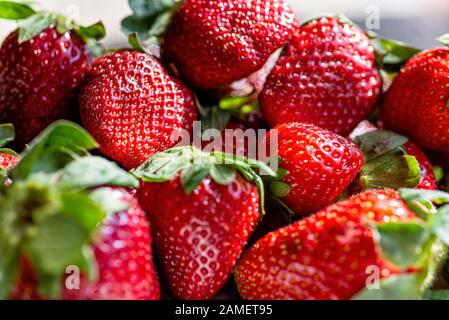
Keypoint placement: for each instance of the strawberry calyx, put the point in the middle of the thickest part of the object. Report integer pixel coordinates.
(387, 165)
(444, 39)
(31, 23)
(51, 211)
(148, 22)
(391, 55)
(194, 165)
(419, 248)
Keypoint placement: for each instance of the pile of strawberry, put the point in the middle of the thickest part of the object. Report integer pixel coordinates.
(356, 209)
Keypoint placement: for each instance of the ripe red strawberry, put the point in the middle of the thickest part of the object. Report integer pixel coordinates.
(326, 76)
(416, 104)
(68, 229)
(319, 166)
(201, 218)
(123, 255)
(41, 67)
(133, 107)
(427, 180)
(324, 256)
(213, 43)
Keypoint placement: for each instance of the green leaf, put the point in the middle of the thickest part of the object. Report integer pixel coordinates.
(166, 165)
(401, 287)
(144, 8)
(62, 136)
(34, 25)
(88, 172)
(7, 134)
(56, 244)
(95, 31)
(378, 143)
(444, 39)
(393, 170)
(109, 201)
(14, 10)
(440, 224)
(436, 295)
(439, 173)
(280, 189)
(222, 174)
(391, 54)
(411, 196)
(192, 176)
(84, 209)
(403, 244)
(216, 119)
(9, 266)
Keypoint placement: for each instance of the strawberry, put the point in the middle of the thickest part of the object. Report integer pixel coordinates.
(417, 103)
(317, 166)
(201, 217)
(326, 76)
(41, 67)
(7, 160)
(214, 43)
(133, 107)
(329, 255)
(63, 234)
(427, 177)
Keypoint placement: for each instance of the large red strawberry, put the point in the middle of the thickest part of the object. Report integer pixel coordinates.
(326, 76)
(201, 217)
(63, 234)
(427, 177)
(133, 107)
(41, 67)
(318, 166)
(334, 254)
(417, 102)
(213, 43)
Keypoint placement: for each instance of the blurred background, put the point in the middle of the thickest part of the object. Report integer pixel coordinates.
(417, 22)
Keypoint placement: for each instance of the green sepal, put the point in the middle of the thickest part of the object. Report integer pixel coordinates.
(391, 55)
(394, 170)
(438, 172)
(89, 172)
(15, 11)
(439, 222)
(403, 243)
(378, 143)
(9, 265)
(386, 163)
(421, 201)
(149, 21)
(95, 31)
(444, 39)
(7, 134)
(240, 106)
(194, 165)
(34, 25)
(62, 137)
(280, 189)
(110, 205)
(216, 118)
(398, 287)
(436, 295)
